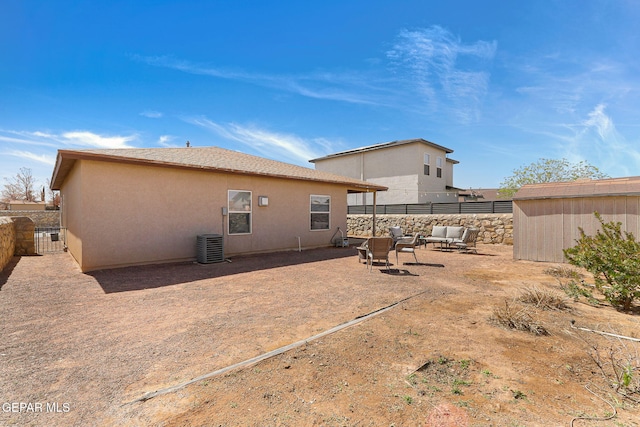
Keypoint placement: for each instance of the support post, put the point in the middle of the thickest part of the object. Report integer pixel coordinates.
(375, 194)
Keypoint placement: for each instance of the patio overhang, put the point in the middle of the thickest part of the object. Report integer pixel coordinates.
(374, 189)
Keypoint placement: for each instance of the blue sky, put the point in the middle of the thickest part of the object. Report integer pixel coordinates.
(501, 83)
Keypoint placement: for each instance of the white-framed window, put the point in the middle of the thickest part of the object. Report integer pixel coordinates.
(320, 212)
(427, 164)
(239, 215)
(439, 167)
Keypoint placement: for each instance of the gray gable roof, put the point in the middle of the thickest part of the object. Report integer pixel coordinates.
(213, 159)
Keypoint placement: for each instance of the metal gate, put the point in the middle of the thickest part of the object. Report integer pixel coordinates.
(50, 239)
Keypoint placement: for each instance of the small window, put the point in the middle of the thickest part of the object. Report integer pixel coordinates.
(320, 212)
(239, 212)
(427, 163)
(439, 167)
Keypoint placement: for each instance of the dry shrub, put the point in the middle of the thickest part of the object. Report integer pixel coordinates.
(619, 365)
(517, 318)
(544, 299)
(561, 271)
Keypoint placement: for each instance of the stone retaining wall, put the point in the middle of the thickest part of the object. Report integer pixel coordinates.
(40, 218)
(494, 228)
(7, 241)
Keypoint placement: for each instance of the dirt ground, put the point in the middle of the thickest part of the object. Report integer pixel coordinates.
(85, 349)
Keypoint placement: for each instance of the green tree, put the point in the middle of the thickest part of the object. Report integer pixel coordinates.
(613, 257)
(547, 170)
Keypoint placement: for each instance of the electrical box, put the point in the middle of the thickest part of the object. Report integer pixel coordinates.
(263, 201)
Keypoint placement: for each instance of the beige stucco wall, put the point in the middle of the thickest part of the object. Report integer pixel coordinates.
(401, 169)
(393, 196)
(119, 214)
(448, 173)
(431, 188)
(71, 211)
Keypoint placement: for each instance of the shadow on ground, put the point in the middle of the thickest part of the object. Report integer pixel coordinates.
(7, 270)
(159, 275)
(425, 264)
(398, 272)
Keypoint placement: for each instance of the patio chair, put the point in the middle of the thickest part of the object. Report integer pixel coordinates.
(396, 234)
(408, 245)
(378, 249)
(468, 241)
(362, 251)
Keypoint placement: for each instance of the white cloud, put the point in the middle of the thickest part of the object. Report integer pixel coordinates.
(41, 134)
(151, 114)
(77, 138)
(41, 158)
(90, 139)
(38, 149)
(597, 140)
(431, 71)
(568, 83)
(26, 138)
(336, 87)
(599, 121)
(274, 145)
(445, 72)
(165, 141)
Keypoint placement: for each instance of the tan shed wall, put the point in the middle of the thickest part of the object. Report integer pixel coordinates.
(119, 214)
(542, 228)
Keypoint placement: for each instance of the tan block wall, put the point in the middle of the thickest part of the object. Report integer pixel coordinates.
(24, 229)
(494, 228)
(7, 241)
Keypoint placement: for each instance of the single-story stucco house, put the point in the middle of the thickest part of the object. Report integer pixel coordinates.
(547, 217)
(135, 206)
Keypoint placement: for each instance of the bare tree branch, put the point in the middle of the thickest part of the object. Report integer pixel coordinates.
(20, 187)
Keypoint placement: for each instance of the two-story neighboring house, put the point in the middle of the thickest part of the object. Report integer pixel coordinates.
(414, 170)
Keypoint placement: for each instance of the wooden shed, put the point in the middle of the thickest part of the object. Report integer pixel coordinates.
(546, 217)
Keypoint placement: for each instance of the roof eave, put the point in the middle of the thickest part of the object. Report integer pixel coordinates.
(575, 196)
(382, 146)
(68, 158)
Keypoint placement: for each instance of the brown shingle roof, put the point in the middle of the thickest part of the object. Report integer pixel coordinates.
(628, 186)
(203, 158)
